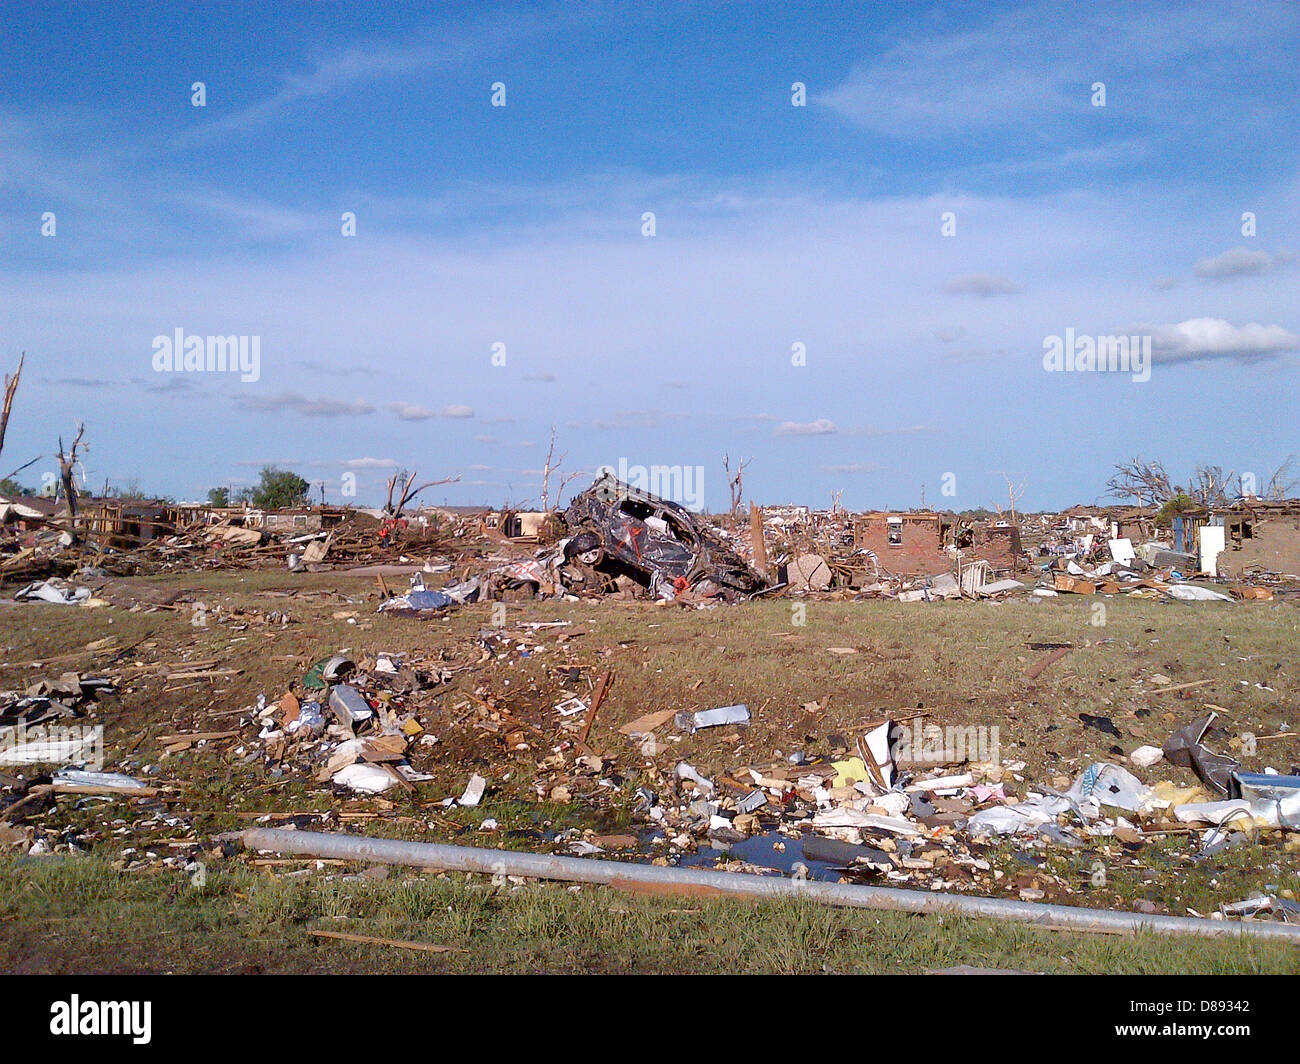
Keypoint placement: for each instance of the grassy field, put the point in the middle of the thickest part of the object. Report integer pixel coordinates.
(75, 915)
(962, 664)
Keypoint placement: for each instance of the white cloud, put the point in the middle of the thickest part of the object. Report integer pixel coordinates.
(1199, 339)
(415, 412)
(821, 427)
(370, 463)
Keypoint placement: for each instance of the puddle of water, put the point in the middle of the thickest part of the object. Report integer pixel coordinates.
(761, 850)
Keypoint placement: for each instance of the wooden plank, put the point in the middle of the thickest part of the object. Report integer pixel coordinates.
(1033, 672)
(602, 689)
(396, 943)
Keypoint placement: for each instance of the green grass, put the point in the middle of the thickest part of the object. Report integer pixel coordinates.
(81, 915)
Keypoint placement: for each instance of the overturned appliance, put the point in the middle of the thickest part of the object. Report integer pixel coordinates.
(616, 528)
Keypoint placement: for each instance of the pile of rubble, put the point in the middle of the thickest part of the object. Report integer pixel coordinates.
(866, 813)
(616, 539)
(335, 733)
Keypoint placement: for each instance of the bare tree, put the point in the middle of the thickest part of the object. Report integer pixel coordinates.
(1210, 485)
(67, 463)
(11, 386)
(735, 481)
(565, 481)
(406, 481)
(1014, 493)
(551, 465)
(1283, 481)
(1142, 480)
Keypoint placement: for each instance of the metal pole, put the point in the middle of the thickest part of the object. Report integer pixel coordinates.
(701, 882)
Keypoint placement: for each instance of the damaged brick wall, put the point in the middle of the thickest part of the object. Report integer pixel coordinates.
(998, 546)
(912, 544)
(905, 544)
(1270, 542)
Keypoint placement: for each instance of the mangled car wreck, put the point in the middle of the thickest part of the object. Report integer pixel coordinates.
(618, 531)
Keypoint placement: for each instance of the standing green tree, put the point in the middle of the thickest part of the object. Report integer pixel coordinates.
(279, 487)
(219, 497)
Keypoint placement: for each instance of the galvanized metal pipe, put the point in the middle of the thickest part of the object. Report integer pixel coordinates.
(702, 882)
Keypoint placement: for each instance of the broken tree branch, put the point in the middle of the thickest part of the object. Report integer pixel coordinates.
(11, 386)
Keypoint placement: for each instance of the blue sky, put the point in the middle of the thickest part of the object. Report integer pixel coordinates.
(775, 225)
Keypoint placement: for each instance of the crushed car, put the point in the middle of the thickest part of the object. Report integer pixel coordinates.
(619, 530)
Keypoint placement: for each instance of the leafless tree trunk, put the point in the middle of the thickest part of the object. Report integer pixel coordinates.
(67, 463)
(552, 464)
(735, 481)
(11, 386)
(1014, 493)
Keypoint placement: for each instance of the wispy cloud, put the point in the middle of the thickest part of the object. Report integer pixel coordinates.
(875, 431)
(1240, 262)
(329, 76)
(331, 73)
(291, 402)
(629, 419)
(983, 285)
(411, 412)
(942, 81)
(415, 412)
(172, 385)
(852, 468)
(85, 382)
